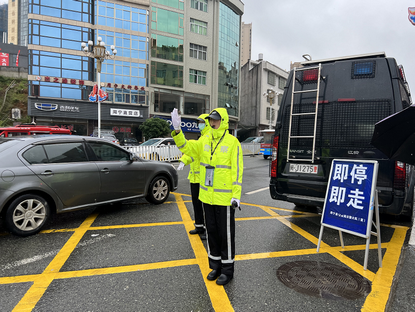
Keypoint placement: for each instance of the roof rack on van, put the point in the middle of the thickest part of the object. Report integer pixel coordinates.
(377, 54)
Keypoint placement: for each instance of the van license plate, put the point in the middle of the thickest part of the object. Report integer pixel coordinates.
(304, 168)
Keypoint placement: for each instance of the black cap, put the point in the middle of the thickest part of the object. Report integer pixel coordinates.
(214, 115)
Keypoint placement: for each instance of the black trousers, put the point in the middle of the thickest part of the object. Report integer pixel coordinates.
(197, 206)
(220, 227)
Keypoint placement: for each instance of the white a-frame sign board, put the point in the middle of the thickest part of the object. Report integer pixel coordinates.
(351, 199)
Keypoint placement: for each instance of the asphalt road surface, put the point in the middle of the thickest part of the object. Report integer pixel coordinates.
(136, 256)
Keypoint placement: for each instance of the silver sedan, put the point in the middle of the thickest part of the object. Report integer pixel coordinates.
(44, 174)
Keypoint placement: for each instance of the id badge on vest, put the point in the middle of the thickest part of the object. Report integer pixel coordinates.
(209, 175)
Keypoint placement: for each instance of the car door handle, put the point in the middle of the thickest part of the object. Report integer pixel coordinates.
(47, 173)
(105, 170)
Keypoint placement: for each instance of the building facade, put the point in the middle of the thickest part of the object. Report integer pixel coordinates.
(171, 54)
(257, 79)
(3, 22)
(61, 76)
(195, 59)
(246, 42)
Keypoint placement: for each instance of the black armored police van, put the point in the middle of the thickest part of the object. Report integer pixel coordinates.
(328, 111)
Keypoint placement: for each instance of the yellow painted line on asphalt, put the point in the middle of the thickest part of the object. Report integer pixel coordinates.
(40, 284)
(375, 302)
(218, 296)
(381, 285)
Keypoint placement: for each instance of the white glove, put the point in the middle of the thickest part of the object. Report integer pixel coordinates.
(235, 203)
(181, 166)
(176, 120)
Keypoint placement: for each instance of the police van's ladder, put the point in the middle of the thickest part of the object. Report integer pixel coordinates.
(297, 115)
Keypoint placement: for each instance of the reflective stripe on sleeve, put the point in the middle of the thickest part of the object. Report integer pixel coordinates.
(223, 167)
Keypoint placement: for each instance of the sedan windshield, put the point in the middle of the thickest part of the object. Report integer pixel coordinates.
(151, 142)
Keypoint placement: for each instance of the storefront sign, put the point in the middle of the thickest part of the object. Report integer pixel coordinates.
(71, 109)
(63, 80)
(4, 59)
(188, 125)
(125, 112)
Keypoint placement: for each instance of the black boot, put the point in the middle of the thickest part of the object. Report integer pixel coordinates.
(197, 231)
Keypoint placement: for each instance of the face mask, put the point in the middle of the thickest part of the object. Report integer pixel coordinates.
(201, 126)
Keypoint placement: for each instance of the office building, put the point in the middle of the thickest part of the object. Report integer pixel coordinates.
(171, 53)
(61, 76)
(194, 56)
(257, 79)
(246, 42)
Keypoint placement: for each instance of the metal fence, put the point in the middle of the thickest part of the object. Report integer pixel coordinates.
(251, 148)
(162, 153)
(172, 153)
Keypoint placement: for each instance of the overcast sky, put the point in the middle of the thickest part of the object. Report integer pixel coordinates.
(284, 30)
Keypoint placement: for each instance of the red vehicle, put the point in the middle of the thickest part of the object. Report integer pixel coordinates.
(28, 129)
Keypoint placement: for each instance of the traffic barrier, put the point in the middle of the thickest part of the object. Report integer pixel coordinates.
(160, 153)
(250, 148)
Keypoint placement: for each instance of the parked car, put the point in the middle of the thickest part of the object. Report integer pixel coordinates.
(44, 174)
(158, 142)
(110, 137)
(129, 142)
(255, 139)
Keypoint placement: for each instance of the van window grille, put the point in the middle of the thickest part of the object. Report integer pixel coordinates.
(341, 125)
(362, 70)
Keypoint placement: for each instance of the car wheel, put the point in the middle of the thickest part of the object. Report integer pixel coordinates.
(27, 214)
(266, 156)
(158, 191)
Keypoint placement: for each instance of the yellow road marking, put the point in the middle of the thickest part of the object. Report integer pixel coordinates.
(217, 294)
(375, 302)
(36, 291)
(382, 283)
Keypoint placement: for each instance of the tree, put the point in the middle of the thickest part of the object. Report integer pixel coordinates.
(155, 128)
(13, 94)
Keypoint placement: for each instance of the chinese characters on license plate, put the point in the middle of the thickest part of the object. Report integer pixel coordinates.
(303, 168)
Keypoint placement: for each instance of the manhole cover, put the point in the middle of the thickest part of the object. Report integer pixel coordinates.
(323, 280)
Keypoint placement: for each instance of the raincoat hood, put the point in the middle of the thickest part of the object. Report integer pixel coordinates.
(224, 122)
(207, 126)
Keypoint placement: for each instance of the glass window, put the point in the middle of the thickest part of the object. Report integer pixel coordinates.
(167, 21)
(197, 76)
(199, 5)
(167, 48)
(272, 78)
(281, 82)
(65, 152)
(167, 74)
(198, 27)
(198, 51)
(107, 152)
(177, 4)
(36, 155)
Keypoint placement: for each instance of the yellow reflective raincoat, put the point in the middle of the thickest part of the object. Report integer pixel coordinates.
(194, 173)
(221, 150)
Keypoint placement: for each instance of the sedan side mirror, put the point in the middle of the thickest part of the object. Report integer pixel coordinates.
(133, 157)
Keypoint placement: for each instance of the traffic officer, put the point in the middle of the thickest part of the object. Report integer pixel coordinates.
(194, 178)
(221, 169)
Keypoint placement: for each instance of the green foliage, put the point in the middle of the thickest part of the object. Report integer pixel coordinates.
(16, 97)
(155, 128)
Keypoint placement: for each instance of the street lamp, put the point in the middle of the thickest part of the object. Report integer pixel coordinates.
(98, 52)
